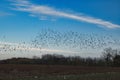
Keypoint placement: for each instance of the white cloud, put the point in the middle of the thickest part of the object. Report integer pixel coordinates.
(26, 6)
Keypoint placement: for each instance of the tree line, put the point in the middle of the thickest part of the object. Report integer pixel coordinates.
(109, 57)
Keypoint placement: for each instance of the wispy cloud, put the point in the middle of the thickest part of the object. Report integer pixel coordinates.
(5, 14)
(38, 10)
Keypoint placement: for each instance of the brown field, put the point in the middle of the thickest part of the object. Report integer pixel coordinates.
(54, 69)
(16, 70)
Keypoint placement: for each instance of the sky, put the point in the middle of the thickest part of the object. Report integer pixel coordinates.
(21, 21)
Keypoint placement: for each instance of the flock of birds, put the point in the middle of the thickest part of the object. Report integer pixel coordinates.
(72, 40)
(10, 47)
(67, 40)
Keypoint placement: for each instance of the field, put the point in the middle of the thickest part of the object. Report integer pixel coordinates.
(57, 72)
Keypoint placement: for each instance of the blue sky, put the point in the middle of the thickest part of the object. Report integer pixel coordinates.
(22, 20)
